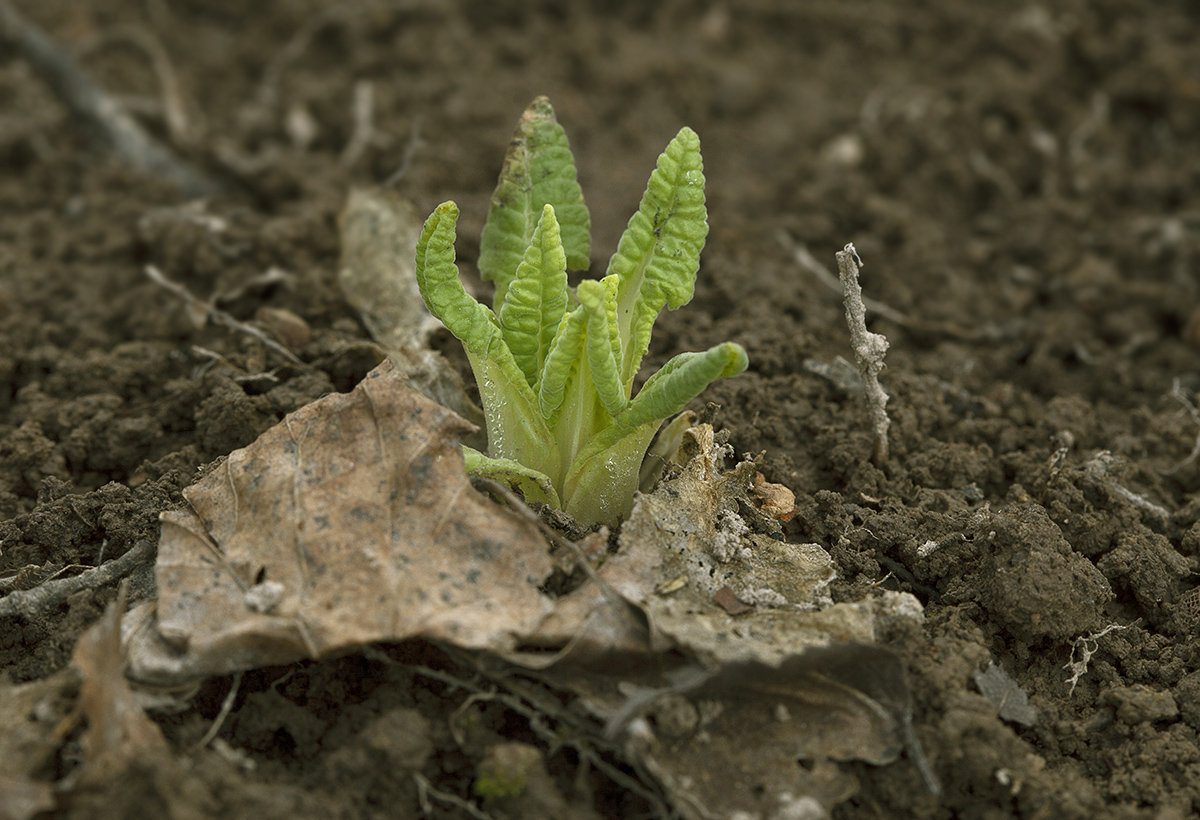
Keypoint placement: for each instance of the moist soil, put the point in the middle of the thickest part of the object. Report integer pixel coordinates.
(1021, 182)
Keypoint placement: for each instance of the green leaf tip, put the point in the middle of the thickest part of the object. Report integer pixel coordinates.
(539, 170)
(536, 299)
(555, 366)
(659, 254)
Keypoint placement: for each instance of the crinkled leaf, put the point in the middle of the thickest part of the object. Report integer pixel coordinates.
(515, 428)
(539, 170)
(659, 253)
(664, 394)
(351, 521)
(561, 362)
(537, 299)
(682, 379)
(444, 295)
(534, 485)
(600, 302)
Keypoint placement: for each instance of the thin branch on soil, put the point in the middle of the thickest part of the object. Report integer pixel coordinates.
(1079, 668)
(364, 119)
(119, 132)
(869, 349)
(810, 263)
(1097, 468)
(1181, 396)
(804, 258)
(425, 790)
(226, 708)
(31, 602)
(268, 89)
(221, 317)
(410, 151)
(173, 110)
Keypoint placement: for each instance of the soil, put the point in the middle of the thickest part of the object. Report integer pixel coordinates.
(1021, 181)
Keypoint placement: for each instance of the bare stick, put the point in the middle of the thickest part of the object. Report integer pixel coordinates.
(364, 129)
(410, 151)
(117, 130)
(810, 263)
(29, 602)
(220, 316)
(869, 348)
(425, 790)
(226, 708)
(268, 90)
(173, 109)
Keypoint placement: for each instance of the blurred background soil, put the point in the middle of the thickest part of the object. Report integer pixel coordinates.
(1021, 181)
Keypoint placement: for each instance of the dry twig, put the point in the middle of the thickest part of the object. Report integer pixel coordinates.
(869, 348)
(28, 603)
(119, 132)
(221, 317)
(173, 110)
(364, 123)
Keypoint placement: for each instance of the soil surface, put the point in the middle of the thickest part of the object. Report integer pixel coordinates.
(1021, 181)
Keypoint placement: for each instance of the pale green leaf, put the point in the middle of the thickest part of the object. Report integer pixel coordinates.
(600, 487)
(561, 363)
(509, 404)
(443, 292)
(599, 300)
(537, 299)
(533, 485)
(539, 170)
(664, 394)
(659, 253)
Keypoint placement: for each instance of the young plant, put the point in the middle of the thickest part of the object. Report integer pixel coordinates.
(555, 366)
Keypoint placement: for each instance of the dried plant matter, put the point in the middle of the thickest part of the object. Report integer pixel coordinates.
(734, 699)
(100, 112)
(118, 732)
(869, 348)
(377, 274)
(351, 521)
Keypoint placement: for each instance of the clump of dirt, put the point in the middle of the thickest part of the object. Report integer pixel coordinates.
(1020, 182)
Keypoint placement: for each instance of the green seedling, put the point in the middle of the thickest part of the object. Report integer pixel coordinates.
(556, 365)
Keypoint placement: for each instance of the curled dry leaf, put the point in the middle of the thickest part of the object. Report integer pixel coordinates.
(352, 521)
(29, 713)
(776, 499)
(118, 732)
(377, 273)
(378, 277)
(746, 666)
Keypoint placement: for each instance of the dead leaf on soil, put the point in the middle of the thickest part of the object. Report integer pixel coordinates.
(784, 674)
(118, 731)
(378, 276)
(729, 742)
(30, 714)
(1006, 695)
(351, 521)
(379, 232)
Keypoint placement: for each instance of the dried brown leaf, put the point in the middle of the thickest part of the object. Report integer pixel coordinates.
(118, 731)
(29, 715)
(745, 663)
(379, 233)
(352, 521)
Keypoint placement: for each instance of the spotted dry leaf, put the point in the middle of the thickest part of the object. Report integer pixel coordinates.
(349, 522)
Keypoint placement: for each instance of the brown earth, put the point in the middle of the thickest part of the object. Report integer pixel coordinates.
(1021, 181)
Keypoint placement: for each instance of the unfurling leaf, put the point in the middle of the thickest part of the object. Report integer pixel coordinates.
(555, 369)
(539, 170)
